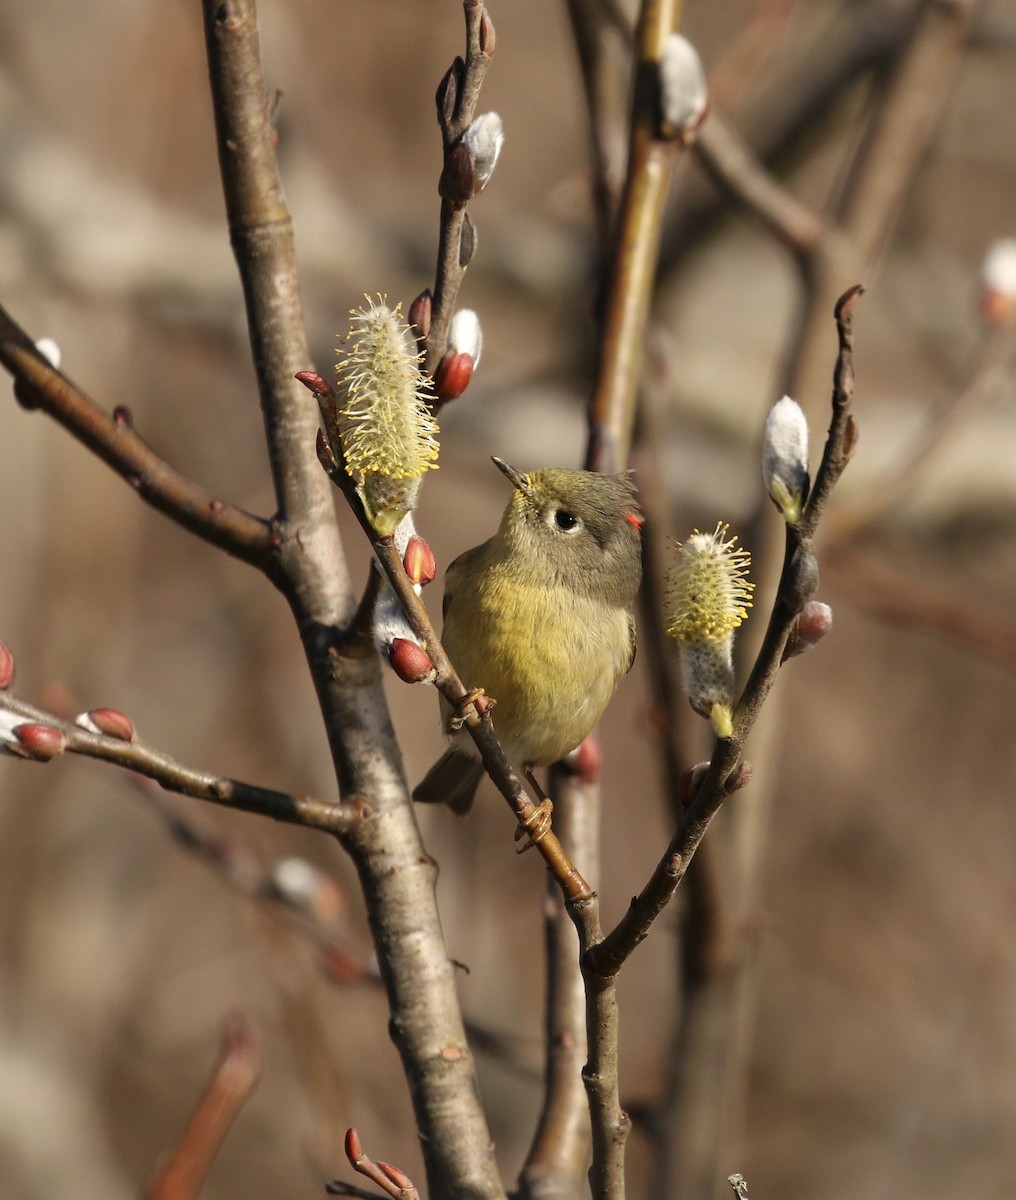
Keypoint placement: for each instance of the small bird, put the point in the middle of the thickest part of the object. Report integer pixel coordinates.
(540, 616)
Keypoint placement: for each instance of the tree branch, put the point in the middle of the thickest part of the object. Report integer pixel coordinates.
(651, 160)
(38, 384)
(396, 873)
(725, 774)
(135, 755)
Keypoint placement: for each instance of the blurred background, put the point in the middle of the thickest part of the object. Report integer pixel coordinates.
(883, 1048)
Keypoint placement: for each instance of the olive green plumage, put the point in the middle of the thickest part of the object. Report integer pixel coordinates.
(540, 617)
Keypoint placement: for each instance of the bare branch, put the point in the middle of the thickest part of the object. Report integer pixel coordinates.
(651, 159)
(134, 755)
(457, 97)
(232, 1081)
(708, 788)
(112, 438)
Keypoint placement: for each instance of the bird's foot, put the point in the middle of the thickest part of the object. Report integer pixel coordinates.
(535, 827)
(475, 697)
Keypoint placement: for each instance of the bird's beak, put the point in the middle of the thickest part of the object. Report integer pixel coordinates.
(518, 480)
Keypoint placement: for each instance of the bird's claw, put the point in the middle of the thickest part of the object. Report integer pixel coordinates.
(535, 827)
(458, 717)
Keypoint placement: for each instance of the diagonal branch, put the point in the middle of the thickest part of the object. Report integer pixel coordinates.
(134, 755)
(651, 159)
(725, 773)
(113, 439)
(396, 873)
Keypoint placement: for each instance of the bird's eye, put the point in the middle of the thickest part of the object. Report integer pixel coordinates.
(565, 520)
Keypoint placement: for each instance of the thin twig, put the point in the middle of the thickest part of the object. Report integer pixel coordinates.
(339, 818)
(230, 1086)
(457, 99)
(651, 160)
(38, 384)
(724, 774)
(738, 173)
(559, 1155)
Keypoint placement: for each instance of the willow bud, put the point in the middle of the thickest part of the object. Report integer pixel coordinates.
(684, 97)
(785, 458)
(998, 284)
(483, 140)
(707, 597)
(388, 433)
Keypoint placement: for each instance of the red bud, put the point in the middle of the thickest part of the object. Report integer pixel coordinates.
(315, 383)
(326, 456)
(112, 723)
(453, 374)
(588, 759)
(409, 661)
(813, 623)
(41, 742)
(399, 1178)
(6, 666)
(447, 96)
(419, 560)
(420, 313)
(458, 179)
(354, 1150)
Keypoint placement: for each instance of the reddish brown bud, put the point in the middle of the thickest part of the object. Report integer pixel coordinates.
(399, 1178)
(813, 623)
(123, 417)
(354, 1150)
(588, 758)
(419, 560)
(112, 723)
(488, 42)
(326, 456)
(41, 742)
(25, 396)
(447, 95)
(420, 313)
(316, 383)
(6, 666)
(409, 661)
(452, 376)
(458, 181)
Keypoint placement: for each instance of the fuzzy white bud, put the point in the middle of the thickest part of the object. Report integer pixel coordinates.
(50, 351)
(484, 139)
(785, 458)
(388, 433)
(465, 335)
(684, 96)
(998, 283)
(708, 596)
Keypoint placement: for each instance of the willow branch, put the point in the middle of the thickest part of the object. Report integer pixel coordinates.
(559, 1154)
(457, 98)
(651, 161)
(740, 175)
(725, 772)
(111, 437)
(396, 873)
(230, 1086)
(135, 755)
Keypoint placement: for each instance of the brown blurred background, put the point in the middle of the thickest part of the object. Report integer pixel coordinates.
(884, 1057)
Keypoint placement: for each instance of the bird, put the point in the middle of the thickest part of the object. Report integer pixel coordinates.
(540, 616)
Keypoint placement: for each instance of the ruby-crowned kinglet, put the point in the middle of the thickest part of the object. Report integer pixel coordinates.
(540, 617)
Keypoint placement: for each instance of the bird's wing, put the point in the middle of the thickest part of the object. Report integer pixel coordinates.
(632, 644)
(453, 574)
